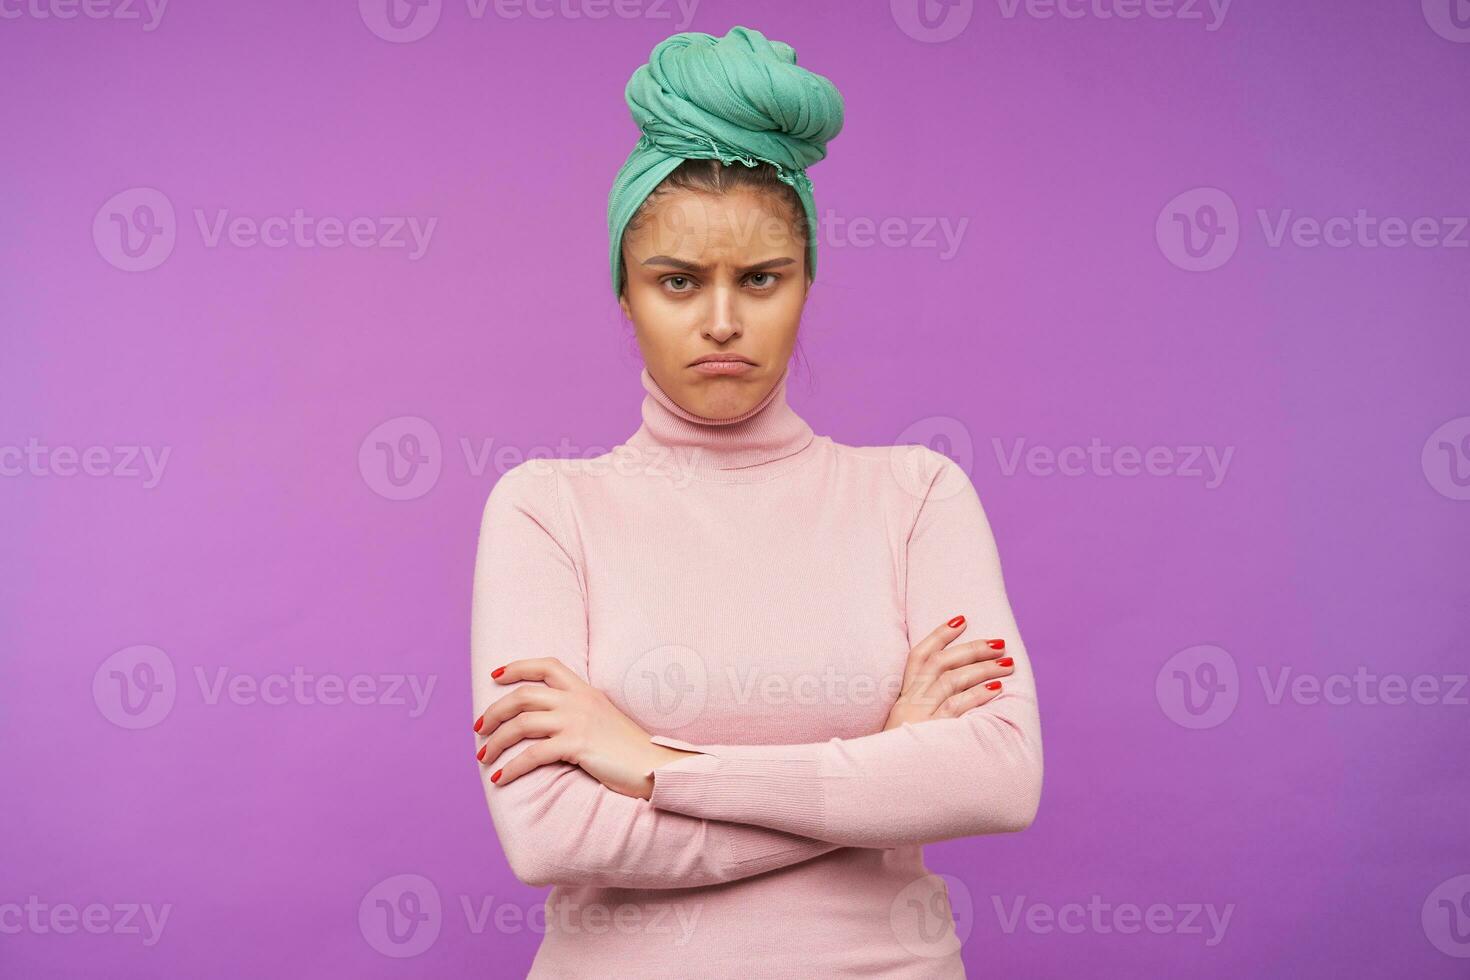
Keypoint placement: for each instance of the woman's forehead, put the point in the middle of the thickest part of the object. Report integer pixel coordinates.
(737, 223)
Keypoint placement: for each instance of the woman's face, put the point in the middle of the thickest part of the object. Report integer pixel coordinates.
(715, 274)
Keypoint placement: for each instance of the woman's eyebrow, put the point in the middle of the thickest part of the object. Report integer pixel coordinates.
(669, 260)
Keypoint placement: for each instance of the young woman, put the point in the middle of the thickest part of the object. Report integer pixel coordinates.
(733, 675)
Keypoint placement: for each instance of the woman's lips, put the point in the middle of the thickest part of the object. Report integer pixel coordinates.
(723, 368)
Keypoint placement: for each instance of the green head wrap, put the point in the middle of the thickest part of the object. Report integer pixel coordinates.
(739, 97)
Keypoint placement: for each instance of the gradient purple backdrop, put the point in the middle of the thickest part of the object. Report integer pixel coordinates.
(1085, 168)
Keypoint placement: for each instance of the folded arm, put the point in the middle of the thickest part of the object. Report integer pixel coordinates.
(558, 825)
(980, 773)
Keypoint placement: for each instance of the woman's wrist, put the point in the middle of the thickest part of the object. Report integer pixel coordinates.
(659, 755)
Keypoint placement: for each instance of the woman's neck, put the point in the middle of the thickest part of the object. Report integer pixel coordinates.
(746, 445)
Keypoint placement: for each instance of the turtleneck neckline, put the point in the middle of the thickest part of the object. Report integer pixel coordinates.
(749, 446)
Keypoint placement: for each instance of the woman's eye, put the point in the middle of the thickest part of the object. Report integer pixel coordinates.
(767, 281)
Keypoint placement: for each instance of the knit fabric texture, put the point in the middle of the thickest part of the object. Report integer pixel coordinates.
(747, 591)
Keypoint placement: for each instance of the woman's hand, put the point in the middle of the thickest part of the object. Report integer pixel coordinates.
(941, 680)
(573, 722)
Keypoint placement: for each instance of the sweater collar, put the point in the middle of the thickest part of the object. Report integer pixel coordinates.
(749, 443)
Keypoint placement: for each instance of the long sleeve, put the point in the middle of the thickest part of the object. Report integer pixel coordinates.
(980, 773)
(557, 824)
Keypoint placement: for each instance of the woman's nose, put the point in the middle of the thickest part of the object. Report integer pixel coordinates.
(723, 319)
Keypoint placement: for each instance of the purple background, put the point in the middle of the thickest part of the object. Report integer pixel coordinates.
(1336, 540)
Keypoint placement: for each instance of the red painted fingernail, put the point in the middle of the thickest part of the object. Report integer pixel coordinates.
(1005, 662)
(481, 754)
(956, 622)
(996, 644)
(993, 685)
(497, 671)
(495, 776)
(479, 723)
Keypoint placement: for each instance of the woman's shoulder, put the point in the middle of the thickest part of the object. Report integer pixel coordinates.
(908, 472)
(530, 487)
(910, 460)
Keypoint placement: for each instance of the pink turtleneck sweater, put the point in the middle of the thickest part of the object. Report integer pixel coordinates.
(748, 590)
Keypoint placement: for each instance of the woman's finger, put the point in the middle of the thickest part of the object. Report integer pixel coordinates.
(918, 661)
(963, 678)
(532, 724)
(535, 697)
(549, 670)
(941, 636)
(969, 699)
(539, 754)
(960, 654)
